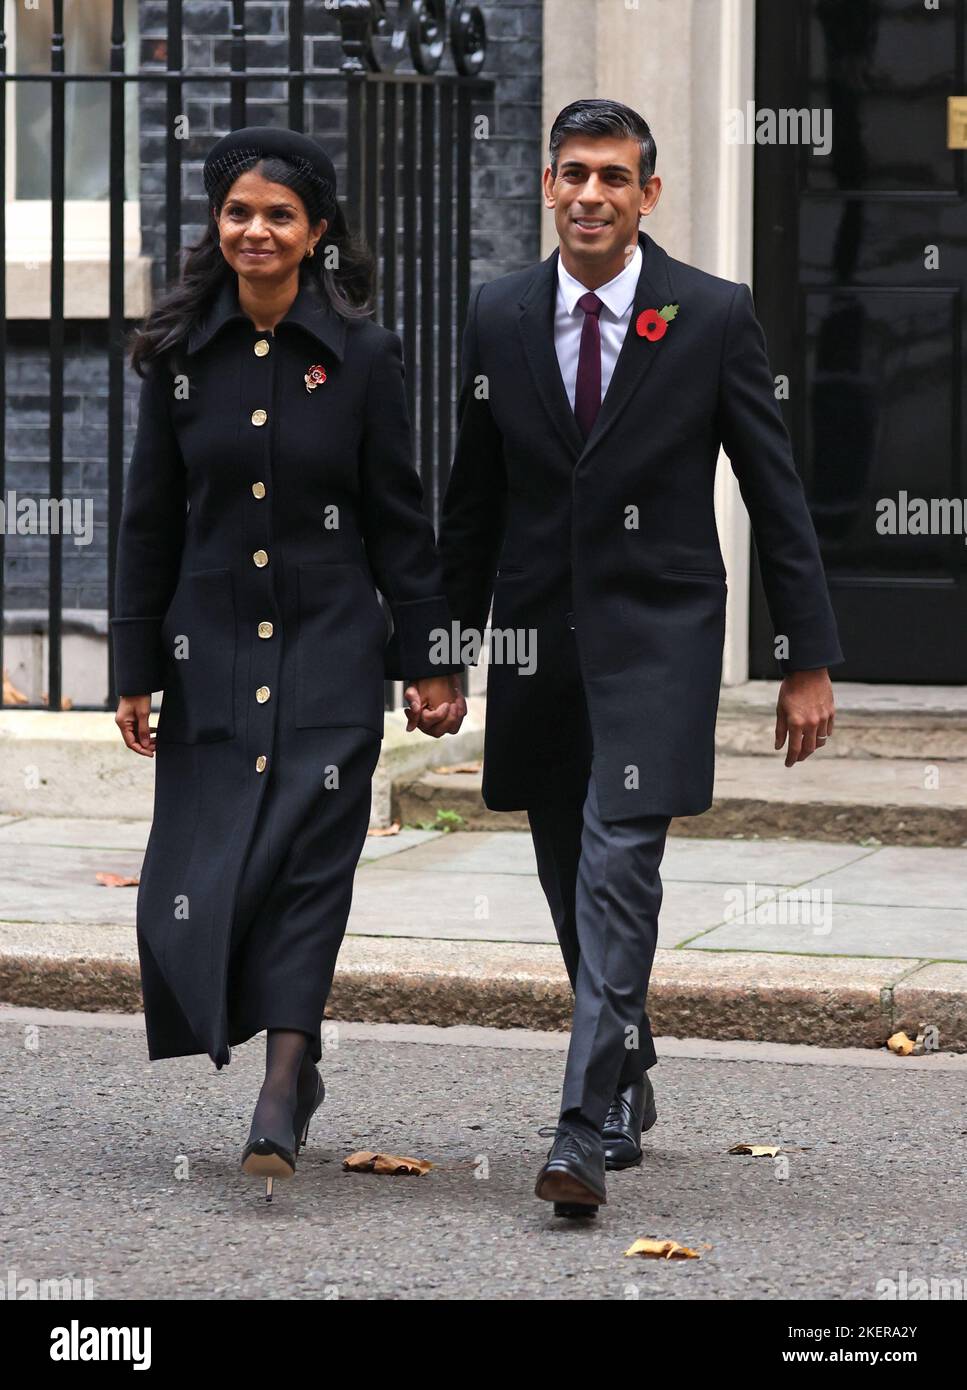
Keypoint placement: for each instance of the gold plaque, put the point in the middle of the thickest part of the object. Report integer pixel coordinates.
(957, 123)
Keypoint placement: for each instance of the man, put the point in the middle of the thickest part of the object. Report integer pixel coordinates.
(597, 388)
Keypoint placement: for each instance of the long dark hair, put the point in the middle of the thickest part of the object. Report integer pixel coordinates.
(347, 284)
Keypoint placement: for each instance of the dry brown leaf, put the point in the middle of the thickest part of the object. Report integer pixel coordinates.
(367, 1162)
(458, 767)
(11, 695)
(116, 880)
(662, 1250)
(901, 1044)
(756, 1150)
(393, 829)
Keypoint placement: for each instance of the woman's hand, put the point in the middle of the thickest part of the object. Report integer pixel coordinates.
(435, 704)
(132, 720)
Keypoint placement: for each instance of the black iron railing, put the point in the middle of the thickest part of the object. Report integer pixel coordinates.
(407, 172)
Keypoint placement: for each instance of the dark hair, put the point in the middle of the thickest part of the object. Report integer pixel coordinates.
(597, 117)
(348, 286)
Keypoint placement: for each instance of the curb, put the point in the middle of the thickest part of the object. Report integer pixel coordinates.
(830, 1001)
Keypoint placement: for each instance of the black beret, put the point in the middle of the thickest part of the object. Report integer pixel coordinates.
(227, 158)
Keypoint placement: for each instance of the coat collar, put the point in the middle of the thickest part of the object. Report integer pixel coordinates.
(306, 311)
(654, 289)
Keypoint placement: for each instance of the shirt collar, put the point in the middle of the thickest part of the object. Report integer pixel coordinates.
(307, 311)
(617, 295)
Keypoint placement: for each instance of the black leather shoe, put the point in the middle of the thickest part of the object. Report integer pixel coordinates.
(632, 1110)
(573, 1176)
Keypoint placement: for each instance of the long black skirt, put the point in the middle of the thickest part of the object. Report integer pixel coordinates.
(297, 882)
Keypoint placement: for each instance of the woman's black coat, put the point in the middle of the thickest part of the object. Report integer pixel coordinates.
(260, 516)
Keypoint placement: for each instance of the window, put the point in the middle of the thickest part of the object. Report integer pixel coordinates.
(87, 39)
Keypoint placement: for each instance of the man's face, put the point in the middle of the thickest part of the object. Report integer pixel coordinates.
(597, 198)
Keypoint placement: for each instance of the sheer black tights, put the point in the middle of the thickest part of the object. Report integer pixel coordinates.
(290, 1081)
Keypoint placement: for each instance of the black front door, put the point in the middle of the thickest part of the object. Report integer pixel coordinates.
(860, 273)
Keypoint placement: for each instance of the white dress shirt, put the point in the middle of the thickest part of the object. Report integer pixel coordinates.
(617, 296)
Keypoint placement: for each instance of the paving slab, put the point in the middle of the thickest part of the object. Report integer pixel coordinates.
(903, 877)
(815, 925)
(79, 833)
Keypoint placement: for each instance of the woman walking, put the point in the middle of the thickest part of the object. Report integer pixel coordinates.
(270, 491)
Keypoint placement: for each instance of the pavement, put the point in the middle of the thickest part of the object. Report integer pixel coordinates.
(124, 1175)
(784, 940)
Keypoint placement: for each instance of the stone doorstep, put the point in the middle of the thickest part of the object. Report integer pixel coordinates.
(830, 1001)
(837, 800)
(73, 763)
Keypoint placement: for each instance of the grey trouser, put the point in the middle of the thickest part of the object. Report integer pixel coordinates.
(603, 888)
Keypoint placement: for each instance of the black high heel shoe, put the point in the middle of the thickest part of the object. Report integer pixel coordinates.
(302, 1117)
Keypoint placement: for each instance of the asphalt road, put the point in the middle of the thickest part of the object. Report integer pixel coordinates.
(126, 1173)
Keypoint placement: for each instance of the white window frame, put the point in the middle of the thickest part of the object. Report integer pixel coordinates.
(86, 234)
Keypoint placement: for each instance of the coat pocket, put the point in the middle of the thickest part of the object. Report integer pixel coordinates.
(695, 574)
(199, 640)
(339, 648)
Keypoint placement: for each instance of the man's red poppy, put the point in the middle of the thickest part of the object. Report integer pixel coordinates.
(651, 325)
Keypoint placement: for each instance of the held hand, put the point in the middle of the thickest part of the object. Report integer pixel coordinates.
(436, 704)
(132, 720)
(804, 711)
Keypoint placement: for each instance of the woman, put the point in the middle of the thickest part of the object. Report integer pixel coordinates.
(271, 486)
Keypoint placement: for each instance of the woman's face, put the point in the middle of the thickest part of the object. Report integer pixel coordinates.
(264, 229)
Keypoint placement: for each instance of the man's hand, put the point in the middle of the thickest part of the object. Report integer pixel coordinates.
(804, 711)
(435, 704)
(132, 720)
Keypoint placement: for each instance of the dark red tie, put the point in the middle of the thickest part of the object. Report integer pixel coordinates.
(587, 390)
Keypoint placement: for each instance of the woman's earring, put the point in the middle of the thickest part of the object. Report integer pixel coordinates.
(309, 253)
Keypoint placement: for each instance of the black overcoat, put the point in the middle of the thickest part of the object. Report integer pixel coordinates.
(608, 550)
(260, 517)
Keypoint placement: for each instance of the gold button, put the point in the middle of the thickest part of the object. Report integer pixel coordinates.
(261, 348)
(259, 417)
(262, 694)
(258, 489)
(260, 762)
(265, 629)
(260, 557)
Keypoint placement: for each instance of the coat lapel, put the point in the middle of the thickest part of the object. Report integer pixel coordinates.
(307, 310)
(637, 355)
(537, 331)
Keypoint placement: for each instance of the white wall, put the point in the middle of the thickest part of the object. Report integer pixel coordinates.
(682, 64)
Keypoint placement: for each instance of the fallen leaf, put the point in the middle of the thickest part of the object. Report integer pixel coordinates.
(11, 695)
(458, 767)
(367, 1162)
(901, 1044)
(116, 880)
(393, 829)
(756, 1150)
(662, 1250)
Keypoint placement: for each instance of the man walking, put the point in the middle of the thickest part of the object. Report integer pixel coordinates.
(597, 389)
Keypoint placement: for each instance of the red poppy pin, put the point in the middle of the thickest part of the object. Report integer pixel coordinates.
(315, 376)
(653, 323)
